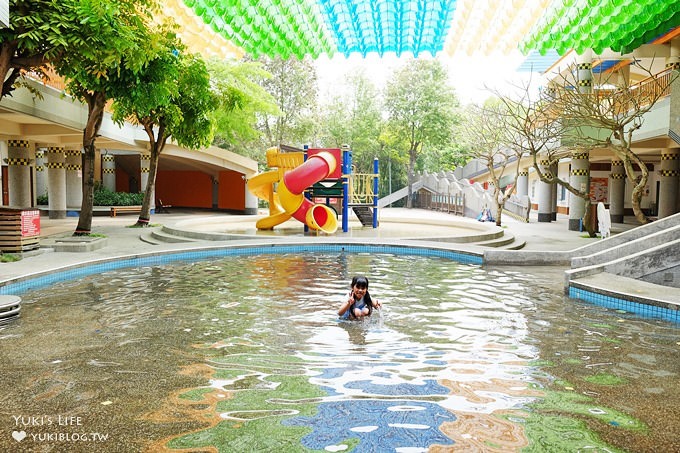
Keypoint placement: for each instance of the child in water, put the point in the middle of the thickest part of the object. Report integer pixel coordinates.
(359, 302)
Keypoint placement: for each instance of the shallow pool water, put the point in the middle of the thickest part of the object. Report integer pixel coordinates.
(246, 354)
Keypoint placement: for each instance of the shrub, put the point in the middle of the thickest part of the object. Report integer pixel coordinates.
(106, 197)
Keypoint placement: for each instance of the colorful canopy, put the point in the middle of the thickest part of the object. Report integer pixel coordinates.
(288, 28)
(310, 27)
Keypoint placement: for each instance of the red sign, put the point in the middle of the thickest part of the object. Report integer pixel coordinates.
(30, 223)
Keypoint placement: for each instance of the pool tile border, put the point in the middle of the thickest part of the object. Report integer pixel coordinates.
(641, 306)
(41, 280)
(645, 307)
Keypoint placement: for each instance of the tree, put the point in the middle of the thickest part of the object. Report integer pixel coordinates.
(39, 31)
(353, 118)
(170, 97)
(119, 31)
(422, 110)
(244, 100)
(293, 87)
(537, 129)
(485, 136)
(618, 110)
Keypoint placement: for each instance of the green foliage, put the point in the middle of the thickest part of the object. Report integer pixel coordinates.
(354, 119)
(9, 258)
(144, 97)
(422, 109)
(242, 101)
(106, 197)
(42, 199)
(293, 87)
(422, 106)
(39, 31)
(113, 37)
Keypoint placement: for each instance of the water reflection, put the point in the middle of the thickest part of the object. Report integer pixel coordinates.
(247, 353)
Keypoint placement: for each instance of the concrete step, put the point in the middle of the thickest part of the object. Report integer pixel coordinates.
(162, 236)
(500, 241)
(146, 237)
(505, 242)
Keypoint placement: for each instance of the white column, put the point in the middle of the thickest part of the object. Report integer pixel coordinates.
(668, 182)
(74, 178)
(40, 173)
(544, 194)
(579, 178)
(523, 183)
(56, 181)
(19, 173)
(617, 191)
(109, 171)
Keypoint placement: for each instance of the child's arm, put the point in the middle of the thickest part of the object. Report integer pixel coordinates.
(345, 305)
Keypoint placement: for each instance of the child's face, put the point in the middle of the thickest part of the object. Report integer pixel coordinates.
(359, 292)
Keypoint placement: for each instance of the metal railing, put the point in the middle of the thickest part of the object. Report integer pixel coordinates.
(453, 203)
(361, 188)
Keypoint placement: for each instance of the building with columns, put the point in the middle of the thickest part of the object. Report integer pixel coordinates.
(40, 153)
(41, 142)
(657, 141)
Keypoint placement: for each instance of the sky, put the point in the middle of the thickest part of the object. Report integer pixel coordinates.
(469, 75)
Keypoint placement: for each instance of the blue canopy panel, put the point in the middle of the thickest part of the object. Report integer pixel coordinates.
(382, 26)
(606, 65)
(535, 62)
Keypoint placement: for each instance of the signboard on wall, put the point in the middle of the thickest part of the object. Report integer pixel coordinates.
(30, 223)
(599, 190)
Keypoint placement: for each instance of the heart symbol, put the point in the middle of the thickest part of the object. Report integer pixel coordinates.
(19, 435)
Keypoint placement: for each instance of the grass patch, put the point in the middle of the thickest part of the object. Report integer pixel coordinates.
(149, 225)
(9, 257)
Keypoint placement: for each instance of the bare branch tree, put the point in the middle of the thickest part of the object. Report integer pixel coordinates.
(536, 128)
(486, 138)
(612, 112)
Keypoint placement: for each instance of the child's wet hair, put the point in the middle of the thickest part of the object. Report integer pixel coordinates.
(359, 281)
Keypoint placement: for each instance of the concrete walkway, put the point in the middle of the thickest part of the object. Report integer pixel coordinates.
(123, 241)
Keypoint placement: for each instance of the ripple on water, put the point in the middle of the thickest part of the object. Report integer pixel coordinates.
(457, 349)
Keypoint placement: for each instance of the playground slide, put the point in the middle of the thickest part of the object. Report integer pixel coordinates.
(289, 201)
(262, 186)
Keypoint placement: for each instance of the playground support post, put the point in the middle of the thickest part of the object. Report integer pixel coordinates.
(307, 195)
(375, 192)
(346, 170)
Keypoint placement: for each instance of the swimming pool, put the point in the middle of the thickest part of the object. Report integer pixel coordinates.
(245, 353)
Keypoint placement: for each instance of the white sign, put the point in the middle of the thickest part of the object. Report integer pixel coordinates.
(4, 13)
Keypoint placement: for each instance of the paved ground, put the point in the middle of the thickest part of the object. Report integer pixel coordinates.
(123, 240)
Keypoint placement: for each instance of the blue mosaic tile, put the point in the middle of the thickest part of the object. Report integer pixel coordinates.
(615, 303)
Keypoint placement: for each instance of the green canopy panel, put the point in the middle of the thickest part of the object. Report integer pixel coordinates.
(620, 25)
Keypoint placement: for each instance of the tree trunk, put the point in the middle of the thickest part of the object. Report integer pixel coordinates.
(145, 214)
(588, 221)
(6, 52)
(500, 202)
(638, 192)
(95, 103)
(411, 174)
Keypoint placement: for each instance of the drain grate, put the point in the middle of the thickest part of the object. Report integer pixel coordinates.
(10, 307)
